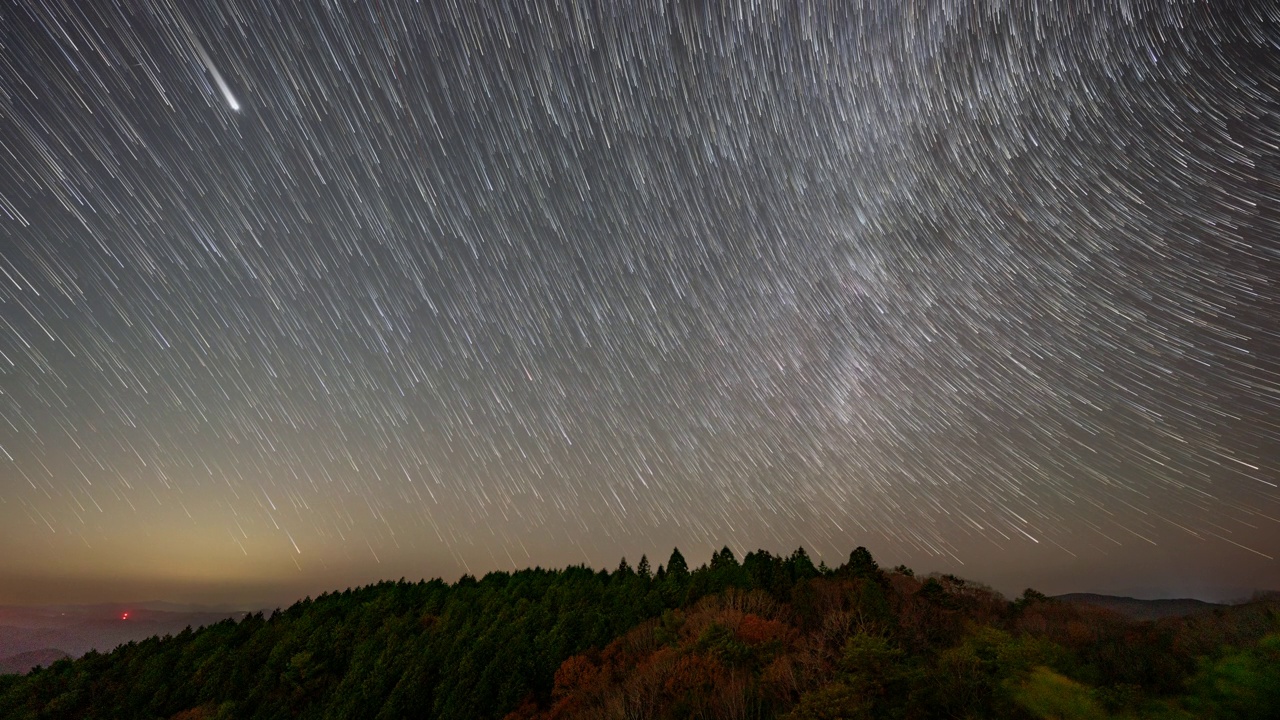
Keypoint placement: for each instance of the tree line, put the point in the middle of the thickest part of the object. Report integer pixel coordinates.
(764, 637)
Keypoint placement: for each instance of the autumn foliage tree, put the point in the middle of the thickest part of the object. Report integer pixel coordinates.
(765, 637)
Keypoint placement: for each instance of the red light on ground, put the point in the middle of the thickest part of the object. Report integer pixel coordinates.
(125, 616)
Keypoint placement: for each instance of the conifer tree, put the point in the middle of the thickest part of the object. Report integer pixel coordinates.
(723, 559)
(676, 566)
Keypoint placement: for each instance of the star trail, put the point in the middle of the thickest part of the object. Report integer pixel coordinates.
(297, 296)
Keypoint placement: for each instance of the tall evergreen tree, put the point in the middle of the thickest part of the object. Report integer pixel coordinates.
(862, 565)
(723, 559)
(676, 566)
(799, 566)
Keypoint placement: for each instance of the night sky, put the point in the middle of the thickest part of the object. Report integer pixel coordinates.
(300, 296)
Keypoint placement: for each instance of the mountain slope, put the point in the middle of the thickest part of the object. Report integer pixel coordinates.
(22, 662)
(1137, 609)
(767, 637)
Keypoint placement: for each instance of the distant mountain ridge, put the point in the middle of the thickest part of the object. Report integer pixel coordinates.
(1137, 609)
(23, 662)
(40, 635)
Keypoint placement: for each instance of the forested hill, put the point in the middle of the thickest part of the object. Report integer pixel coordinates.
(1141, 609)
(762, 638)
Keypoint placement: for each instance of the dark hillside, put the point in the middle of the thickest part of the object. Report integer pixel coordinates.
(762, 638)
(24, 661)
(1136, 609)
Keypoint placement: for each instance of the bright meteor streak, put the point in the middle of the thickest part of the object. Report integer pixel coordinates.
(217, 76)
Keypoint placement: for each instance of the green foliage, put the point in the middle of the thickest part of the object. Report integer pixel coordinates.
(835, 701)
(799, 566)
(766, 637)
(720, 642)
(667, 631)
(390, 650)
(861, 564)
(1030, 597)
(873, 679)
(1051, 696)
(933, 592)
(1244, 683)
(677, 568)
